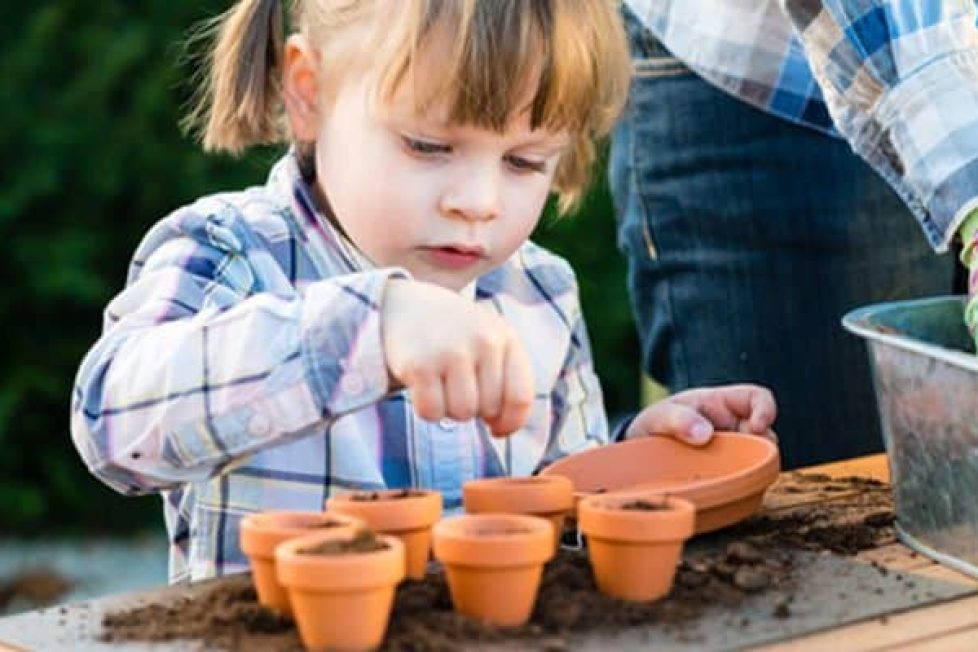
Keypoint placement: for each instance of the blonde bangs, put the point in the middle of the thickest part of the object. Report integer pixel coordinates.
(569, 56)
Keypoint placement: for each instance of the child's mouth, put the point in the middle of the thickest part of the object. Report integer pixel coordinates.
(454, 257)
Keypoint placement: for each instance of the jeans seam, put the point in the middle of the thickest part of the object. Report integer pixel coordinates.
(682, 366)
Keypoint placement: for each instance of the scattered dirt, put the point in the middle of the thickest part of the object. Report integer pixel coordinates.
(36, 587)
(324, 525)
(362, 541)
(367, 496)
(645, 506)
(758, 559)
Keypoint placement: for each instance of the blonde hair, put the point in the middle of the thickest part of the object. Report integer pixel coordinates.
(573, 52)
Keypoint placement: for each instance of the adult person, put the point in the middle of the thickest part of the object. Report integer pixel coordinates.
(749, 224)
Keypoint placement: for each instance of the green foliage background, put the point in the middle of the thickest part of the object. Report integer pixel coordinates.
(92, 156)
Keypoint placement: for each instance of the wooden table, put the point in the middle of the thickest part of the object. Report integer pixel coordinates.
(950, 624)
(877, 612)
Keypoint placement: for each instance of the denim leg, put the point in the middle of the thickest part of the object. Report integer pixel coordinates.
(747, 238)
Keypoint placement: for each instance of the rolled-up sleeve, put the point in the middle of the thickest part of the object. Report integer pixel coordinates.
(204, 359)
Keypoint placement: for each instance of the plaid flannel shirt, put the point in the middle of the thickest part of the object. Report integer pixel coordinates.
(242, 369)
(899, 79)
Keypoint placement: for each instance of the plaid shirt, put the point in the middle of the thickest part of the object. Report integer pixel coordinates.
(242, 369)
(899, 79)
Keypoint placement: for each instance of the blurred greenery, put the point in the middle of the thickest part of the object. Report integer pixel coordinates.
(92, 157)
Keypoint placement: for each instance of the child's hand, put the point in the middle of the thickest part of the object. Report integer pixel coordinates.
(692, 416)
(457, 359)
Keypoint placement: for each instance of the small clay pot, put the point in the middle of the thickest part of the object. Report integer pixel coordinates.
(340, 600)
(404, 513)
(549, 497)
(261, 532)
(634, 541)
(494, 563)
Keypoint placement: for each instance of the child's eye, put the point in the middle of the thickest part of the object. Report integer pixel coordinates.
(526, 165)
(425, 147)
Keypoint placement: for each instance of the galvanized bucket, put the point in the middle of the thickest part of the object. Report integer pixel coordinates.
(925, 374)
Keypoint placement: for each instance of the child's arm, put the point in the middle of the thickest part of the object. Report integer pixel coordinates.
(209, 354)
(692, 415)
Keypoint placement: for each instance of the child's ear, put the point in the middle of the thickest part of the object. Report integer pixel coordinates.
(300, 88)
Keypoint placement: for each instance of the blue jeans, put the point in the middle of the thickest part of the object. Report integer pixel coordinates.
(747, 238)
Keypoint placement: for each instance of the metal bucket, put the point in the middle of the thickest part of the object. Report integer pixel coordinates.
(925, 374)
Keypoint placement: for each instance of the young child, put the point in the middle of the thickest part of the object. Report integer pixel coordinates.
(373, 316)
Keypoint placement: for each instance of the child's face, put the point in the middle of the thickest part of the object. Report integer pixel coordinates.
(448, 203)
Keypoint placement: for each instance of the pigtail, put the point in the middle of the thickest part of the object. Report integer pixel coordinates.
(239, 103)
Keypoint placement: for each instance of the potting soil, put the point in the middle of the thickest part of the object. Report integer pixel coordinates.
(755, 557)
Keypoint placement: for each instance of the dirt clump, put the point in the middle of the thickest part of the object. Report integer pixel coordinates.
(362, 541)
(226, 616)
(35, 587)
(368, 496)
(644, 506)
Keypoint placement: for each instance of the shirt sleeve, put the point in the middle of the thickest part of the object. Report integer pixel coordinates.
(206, 357)
(900, 78)
(579, 420)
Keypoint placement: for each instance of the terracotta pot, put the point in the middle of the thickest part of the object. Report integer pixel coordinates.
(261, 532)
(634, 552)
(408, 517)
(494, 563)
(550, 497)
(340, 601)
(726, 479)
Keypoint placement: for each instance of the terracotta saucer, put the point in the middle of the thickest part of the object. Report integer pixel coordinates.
(726, 479)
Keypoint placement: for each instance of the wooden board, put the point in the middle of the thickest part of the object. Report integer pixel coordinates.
(889, 597)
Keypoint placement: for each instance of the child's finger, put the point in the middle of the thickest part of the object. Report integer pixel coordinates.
(461, 392)
(517, 391)
(673, 419)
(490, 379)
(731, 406)
(426, 395)
(763, 412)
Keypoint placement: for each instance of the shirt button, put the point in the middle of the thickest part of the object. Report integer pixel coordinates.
(447, 424)
(352, 384)
(259, 425)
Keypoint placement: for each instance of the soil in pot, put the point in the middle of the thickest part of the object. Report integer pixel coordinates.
(262, 532)
(635, 542)
(341, 586)
(363, 541)
(405, 513)
(368, 496)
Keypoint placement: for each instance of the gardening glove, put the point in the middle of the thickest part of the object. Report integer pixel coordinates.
(969, 258)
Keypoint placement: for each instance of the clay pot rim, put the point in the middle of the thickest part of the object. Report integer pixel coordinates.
(335, 573)
(601, 517)
(390, 515)
(261, 532)
(535, 494)
(467, 540)
(709, 492)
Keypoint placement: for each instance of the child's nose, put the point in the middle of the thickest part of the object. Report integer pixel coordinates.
(474, 197)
